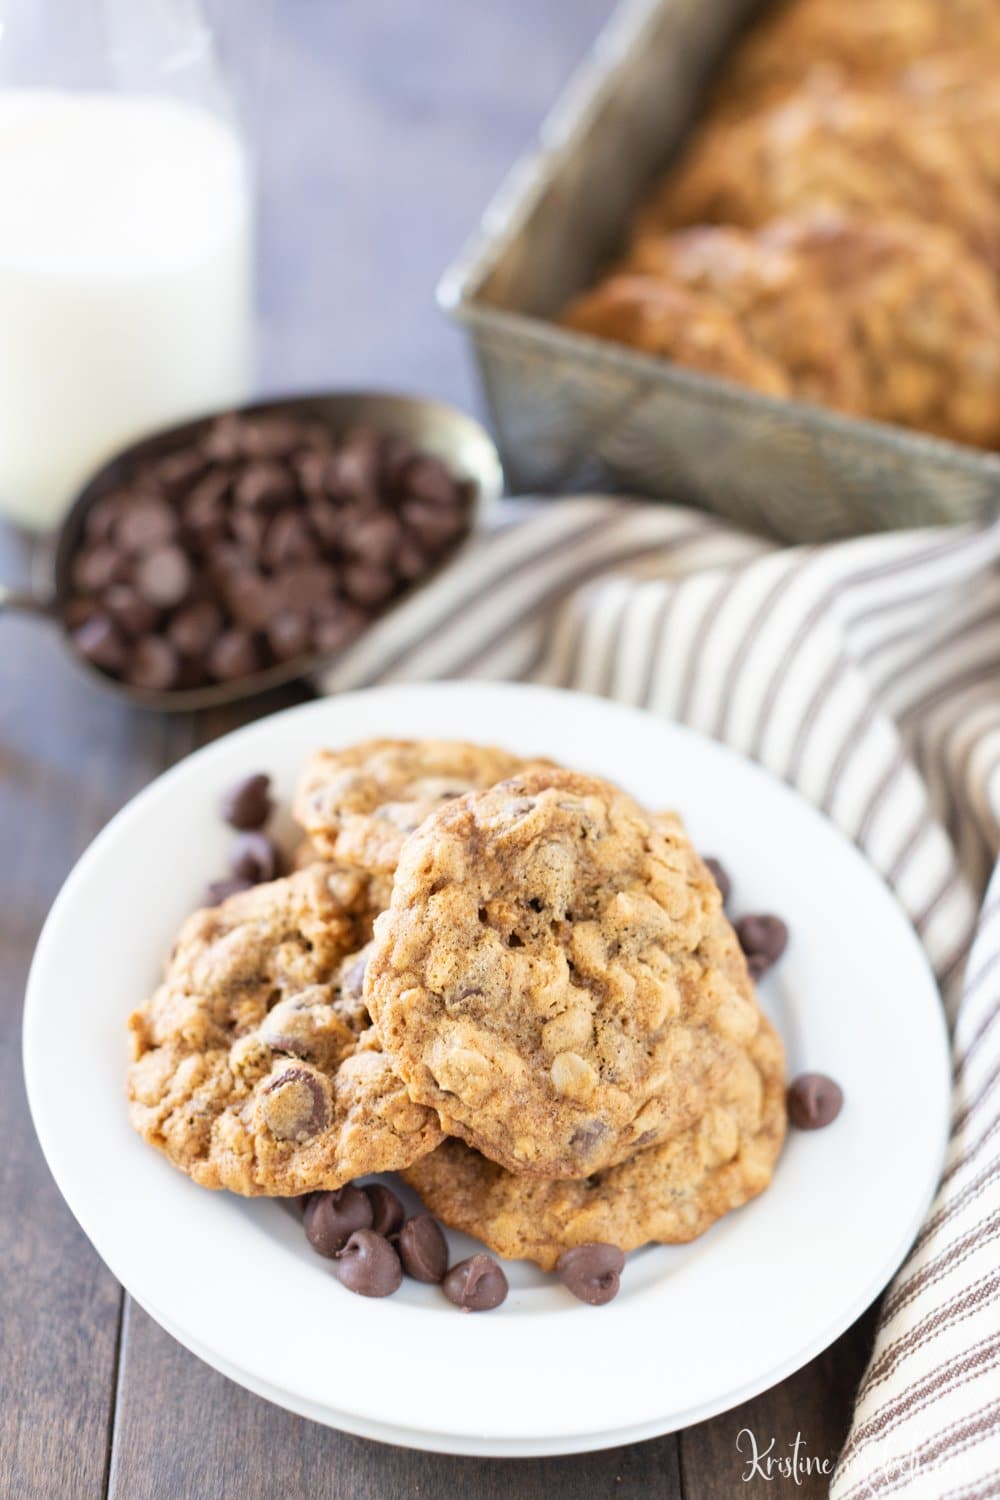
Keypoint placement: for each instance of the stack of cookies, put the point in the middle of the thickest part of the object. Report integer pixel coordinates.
(505, 980)
(832, 231)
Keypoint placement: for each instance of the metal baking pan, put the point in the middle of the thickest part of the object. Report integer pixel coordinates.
(574, 413)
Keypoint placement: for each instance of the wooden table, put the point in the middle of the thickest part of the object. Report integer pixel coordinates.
(381, 129)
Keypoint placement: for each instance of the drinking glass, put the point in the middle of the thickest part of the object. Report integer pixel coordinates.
(125, 238)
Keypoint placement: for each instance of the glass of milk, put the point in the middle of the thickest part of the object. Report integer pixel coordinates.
(125, 238)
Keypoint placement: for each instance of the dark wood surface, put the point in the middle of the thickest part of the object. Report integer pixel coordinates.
(381, 130)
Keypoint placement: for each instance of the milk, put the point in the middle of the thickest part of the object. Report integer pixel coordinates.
(125, 282)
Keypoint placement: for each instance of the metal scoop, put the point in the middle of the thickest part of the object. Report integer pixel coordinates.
(433, 427)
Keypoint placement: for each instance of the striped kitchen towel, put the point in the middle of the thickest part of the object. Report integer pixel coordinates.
(866, 674)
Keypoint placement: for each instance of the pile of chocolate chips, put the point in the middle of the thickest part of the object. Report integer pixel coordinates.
(254, 857)
(365, 1231)
(264, 540)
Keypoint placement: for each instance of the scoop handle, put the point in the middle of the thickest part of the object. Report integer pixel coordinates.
(24, 601)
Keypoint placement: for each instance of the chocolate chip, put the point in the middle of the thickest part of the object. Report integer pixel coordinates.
(227, 558)
(264, 485)
(95, 567)
(298, 1025)
(224, 440)
(294, 1105)
(193, 629)
(331, 1218)
(163, 576)
(373, 539)
(306, 585)
(218, 891)
(423, 1250)
(317, 473)
(103, 514)
(476, 1284)
(814, 1100)
(354, 469)
(176, 472)
(433, 528)
(467, 992)
(325, 520)
(411, 560)
(720, 876)
(288, 635)
(287, 541)
(234, 654)
(369, 1265)
(395, 457)
(366, 585)
(145, 523)
(152, 663)
(763, 939)
(426, 478)
(282, 1041)
(204, 505)
(354, 513)
(136, 616)
(248, 804)
(254, 857)
(352, 981)
(252, 599)
(272, 437)
(387, 1211)
(249, 527)
(586, 1137)
(592, 1272)
(99, 641)
(337, 626)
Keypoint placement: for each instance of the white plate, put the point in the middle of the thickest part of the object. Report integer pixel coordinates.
(695, 1329)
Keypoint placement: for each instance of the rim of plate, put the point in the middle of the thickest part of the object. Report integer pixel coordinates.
(697, 1328)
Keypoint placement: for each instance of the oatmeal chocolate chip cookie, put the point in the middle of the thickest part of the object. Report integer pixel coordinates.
(864, 42)
(845, 149)
(254, 1066)
(360, 894)
(960, 88)
(555, 975)
(785, 311)
(892, 319)
(376, 887)
(657, 317)
(360, 804)
(668, 1194)
(305, 854)
(922, 314)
